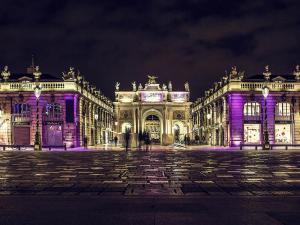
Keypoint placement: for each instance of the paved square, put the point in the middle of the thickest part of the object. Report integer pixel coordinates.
(159, 187)
(166, 173)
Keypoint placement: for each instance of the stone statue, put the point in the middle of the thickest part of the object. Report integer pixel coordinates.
(241, 75)
(297, 73)
(5, 73)
(187, 86)
(140, 87)
(164, 87)
(37, 73)
(133, 86)
(267, 73)
(170, 86)
(117, 86)
(151, 79)
(70, 75)
(78, 77)
(233, 73)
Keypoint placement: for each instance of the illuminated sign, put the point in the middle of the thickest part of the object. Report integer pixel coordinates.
(152, 96)
(179, 97)
(126, 98)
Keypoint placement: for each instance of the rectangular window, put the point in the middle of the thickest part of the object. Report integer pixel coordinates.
(252, 133)
(282, 133)
(69, 111)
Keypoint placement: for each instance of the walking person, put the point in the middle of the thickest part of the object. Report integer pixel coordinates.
(85, 141)
(144, 137)
(116, 140)
(185, 139)
(127, 138)
(141, 139)
(147, 141)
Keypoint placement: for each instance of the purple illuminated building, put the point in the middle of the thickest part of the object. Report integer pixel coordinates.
(232, 112)
(70, 111)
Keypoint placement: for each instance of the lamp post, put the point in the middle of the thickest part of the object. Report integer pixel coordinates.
(37, 141)
(266, 143)
(96, 127)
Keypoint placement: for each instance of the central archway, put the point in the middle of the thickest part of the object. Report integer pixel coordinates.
(152, 126)
(152, 123)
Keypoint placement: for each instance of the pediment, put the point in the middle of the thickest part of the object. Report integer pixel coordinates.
(279, 79)
(25, 78)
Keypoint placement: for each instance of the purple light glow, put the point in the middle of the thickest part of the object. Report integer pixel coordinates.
(271, 103)
(236, 104)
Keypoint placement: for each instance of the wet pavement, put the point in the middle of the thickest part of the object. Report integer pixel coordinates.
(159, 187)
(172, 173)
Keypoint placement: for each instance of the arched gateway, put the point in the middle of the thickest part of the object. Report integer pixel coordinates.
(153, 124)
(153, 108)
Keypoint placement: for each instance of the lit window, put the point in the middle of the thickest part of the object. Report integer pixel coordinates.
(252, 109)
(53, 110)
(21, 108)
(283, 109)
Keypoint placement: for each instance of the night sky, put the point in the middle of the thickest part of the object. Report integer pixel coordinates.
(124, 40)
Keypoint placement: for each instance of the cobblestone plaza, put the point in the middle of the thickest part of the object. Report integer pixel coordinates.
(170, 173)
(157, 187)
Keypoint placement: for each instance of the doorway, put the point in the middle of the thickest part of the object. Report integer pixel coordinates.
(153, 126)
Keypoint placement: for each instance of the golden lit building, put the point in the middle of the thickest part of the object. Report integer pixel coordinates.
(263, 109)
(66, 111)
(153, 108)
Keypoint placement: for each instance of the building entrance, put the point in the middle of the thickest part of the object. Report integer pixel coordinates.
(152, 125)
(53, 135)
(21, 135)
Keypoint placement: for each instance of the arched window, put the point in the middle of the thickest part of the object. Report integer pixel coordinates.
(252, 109)
(283, 109)
(125, 126)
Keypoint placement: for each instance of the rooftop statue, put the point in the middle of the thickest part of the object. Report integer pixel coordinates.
(117, 86)
(187, 86)
(5, 73)
(151, 79)
(37, 73)
(70, 75)
(170, 86)
(297, 73)
(133, 86)
(164, 87)
(140, 87)
(267, 73)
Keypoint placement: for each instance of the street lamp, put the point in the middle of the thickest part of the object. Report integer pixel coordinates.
(37, 141)
(266, 143)
(96, 127)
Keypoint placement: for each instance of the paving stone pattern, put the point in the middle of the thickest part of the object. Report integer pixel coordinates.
(166, 173)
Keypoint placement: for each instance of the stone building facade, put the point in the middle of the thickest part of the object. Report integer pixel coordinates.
(153, 108)
(235, 111)
(69, 109)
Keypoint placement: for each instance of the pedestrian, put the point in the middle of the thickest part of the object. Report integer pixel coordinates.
(85, 141)
(127, 138)
(197, 139)
(188, 140)
(144, 140)
(185, 139)
(141, 139)
(147, 140)
(116, 140)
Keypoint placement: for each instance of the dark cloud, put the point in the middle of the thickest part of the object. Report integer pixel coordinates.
(179, 40)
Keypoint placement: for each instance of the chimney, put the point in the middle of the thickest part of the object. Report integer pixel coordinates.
(30, 69)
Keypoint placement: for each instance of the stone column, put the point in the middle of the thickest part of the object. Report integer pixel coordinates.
(224, 121)
(214, 121)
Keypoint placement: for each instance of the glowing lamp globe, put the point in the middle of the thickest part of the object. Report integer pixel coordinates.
(265, 91)
(37, 91)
